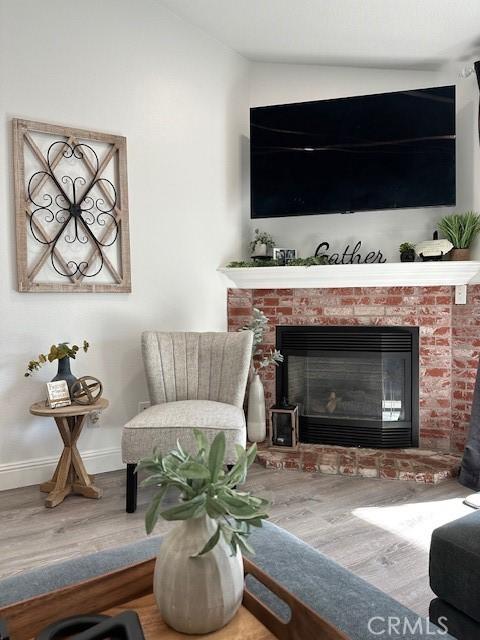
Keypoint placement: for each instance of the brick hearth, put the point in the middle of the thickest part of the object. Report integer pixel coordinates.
(419, 465)
(449, 347)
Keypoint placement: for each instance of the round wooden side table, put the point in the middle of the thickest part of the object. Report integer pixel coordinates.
(70, 475)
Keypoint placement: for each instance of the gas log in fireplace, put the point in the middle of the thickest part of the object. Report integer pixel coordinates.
(355, 386)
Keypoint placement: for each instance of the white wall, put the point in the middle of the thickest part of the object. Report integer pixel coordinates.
(180, 98)
(283, 83)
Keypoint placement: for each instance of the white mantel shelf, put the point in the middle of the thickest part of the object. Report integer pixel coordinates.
(389, 274)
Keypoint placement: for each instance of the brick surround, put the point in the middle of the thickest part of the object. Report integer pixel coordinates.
(449, 341)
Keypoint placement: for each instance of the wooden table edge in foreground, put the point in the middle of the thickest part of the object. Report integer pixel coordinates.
(131, 588)
(70, 475)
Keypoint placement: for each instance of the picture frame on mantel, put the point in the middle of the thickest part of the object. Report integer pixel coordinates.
(71, 207)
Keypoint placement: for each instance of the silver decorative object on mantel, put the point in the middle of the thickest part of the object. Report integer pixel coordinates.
(433, 249)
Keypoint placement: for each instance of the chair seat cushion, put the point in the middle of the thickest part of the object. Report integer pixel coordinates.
(162, 424)
(455, 564)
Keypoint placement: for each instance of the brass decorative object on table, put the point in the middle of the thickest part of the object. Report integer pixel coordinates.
(86, 390)
(284, 422)
(70, 475)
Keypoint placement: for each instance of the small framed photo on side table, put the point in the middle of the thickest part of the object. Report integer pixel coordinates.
(58, 394)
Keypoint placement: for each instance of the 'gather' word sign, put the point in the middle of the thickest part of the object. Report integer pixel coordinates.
(349, 256)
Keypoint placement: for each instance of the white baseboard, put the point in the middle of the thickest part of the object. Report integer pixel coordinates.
(26, 472)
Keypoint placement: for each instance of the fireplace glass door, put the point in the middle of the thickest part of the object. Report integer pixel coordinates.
(350, 386)
(363, 395)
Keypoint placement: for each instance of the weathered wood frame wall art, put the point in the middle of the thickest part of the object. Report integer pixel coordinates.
(71, 200)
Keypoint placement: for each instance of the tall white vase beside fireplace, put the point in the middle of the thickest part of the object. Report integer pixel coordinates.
(256, 416)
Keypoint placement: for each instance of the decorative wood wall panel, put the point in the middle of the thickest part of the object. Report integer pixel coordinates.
(71, 199)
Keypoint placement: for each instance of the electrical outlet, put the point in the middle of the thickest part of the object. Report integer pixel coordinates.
(143, 405)
(461, 294)
(93, 421)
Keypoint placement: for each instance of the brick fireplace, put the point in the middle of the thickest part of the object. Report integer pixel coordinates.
(449, 347)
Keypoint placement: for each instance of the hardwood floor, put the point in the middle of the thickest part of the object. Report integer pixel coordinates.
(379, 529)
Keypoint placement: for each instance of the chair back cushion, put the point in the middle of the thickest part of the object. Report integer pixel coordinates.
(197, 366)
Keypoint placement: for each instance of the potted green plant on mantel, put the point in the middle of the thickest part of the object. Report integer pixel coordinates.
(198, 581)
(461, 229)
(62, 352)
(262, 245)
(407, 252)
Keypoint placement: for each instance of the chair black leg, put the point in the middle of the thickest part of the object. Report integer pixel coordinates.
(131, 488)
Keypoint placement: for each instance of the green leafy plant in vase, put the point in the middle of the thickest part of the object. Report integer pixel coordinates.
(62, 352)
(262, 245)
(261, 359)
(198, 582)
(461, 229)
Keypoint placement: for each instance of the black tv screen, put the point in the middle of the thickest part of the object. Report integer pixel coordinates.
(382, 151)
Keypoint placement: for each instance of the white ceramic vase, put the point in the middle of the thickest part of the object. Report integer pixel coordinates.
(261, 250)
(256, 418)
(197, 594)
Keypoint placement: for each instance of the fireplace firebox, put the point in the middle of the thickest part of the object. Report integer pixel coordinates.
(354, 386)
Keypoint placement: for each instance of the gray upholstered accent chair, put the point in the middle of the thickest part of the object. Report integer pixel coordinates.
(195, 380)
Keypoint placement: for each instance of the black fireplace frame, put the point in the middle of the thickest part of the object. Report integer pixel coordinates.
(291, 340)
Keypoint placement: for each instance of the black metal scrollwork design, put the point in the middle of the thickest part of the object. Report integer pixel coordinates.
(74, 208)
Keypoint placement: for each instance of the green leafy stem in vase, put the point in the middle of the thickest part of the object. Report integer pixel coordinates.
(206, 488)
(57, 352)
(258, 325)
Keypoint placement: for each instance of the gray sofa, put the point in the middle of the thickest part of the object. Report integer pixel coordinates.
(455, 576)
(350, 603)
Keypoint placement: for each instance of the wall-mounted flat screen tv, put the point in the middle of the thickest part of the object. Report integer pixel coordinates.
(366, 153)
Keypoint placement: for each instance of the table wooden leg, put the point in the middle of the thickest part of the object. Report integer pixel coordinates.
(63, 425)
(70, 475)
(83, 482)
(62, 487)
(46, 487)
(64, 429)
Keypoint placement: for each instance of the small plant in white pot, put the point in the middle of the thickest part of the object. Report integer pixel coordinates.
(262, 245)
(256, 415)
(198, 582)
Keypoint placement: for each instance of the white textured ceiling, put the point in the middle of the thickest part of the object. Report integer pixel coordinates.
(423, 34)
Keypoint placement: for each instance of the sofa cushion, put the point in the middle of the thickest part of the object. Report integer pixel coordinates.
(459, 625)
(163, 424)
(356, 607)
(455, 564)
(41, 580)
